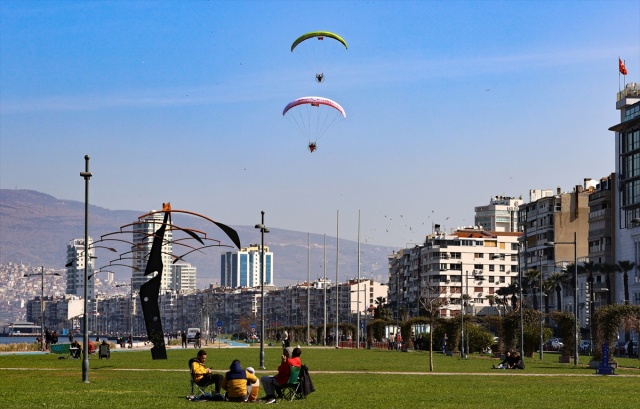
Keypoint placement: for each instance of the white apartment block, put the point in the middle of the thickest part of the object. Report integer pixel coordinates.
(143, 233)
(501, 214)
(183, 277)
(469, 261)
(75, 269)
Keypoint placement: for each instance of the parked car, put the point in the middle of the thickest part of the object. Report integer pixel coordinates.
(556, 344)
(585, 346)
(620, 348)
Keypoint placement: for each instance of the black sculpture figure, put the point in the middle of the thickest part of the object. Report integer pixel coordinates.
(150, 291)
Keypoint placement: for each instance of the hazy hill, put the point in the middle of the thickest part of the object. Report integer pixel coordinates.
(35, 229)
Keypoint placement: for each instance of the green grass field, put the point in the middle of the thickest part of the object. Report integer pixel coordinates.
(343, 378)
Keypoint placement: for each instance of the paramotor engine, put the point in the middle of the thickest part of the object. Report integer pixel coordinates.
(314, 116)
(317, 50)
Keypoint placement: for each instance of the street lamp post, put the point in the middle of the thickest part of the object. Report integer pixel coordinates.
(462, 354)
(575, 290)
(521, 305)
(41, 274)
(263, 230)
(85, 319)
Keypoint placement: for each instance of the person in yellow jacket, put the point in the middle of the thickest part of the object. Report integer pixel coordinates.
(202, 375)
(235, 382)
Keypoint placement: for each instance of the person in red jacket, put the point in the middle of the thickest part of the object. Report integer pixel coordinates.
(272, 383)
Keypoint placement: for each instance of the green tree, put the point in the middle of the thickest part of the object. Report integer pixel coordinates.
(380, 303)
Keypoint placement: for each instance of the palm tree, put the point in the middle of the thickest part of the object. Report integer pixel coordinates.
(624, 267)
(554, 280)
(531, 277)
(380, 304)
(492, 301)
(608, 270)
(506, 293)
(569, 271)
(588, 268)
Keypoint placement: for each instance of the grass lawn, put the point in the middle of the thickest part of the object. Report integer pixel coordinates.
(343, 379)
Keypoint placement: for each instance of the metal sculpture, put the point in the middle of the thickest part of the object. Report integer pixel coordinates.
(150, 291)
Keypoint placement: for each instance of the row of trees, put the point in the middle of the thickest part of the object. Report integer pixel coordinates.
(553, 282)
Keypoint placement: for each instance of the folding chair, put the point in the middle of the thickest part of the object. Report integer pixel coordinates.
(293, 389)
(103, 351)
(197, 390)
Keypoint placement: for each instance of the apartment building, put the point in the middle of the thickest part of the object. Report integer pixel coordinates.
(555, 231)
(468, 263)
(627, 204)
(75, 268)
(144, 230)
(501, 214)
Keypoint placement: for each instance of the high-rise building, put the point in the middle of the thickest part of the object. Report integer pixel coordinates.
(549, 225)
(75, 269)
(501, 214)
(242, 268)
(143, 233)
(627, 236)
(183, 277)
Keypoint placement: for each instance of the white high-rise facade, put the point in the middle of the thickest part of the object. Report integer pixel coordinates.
(183, 277)
(143, 233)
(75, 270)
(500, 215)
(242, 268)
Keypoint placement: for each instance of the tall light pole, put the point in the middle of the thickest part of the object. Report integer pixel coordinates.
(462, 354)
(575, 290)
(541, 313)
(85, 319)
(358, 317)
(324, 285)
(41, 274)
(263, 230)
(521, 304)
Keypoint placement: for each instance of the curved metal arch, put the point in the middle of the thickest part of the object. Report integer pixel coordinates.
(231, 233)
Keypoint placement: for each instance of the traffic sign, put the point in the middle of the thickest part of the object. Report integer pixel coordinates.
(219, 324)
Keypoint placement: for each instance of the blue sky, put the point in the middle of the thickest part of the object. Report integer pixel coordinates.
(448, 104)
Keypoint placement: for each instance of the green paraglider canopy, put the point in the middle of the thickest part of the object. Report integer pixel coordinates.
(320, 35)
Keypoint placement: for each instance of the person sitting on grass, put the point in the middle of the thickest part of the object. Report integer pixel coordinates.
(203, 375)
(507, 363)
(518, 363)
(273, 383)
(235, 382)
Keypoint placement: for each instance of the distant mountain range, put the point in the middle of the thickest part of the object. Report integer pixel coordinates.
(35, 229)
